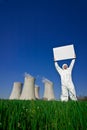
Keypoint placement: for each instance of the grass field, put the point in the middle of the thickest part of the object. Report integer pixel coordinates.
(43, 115)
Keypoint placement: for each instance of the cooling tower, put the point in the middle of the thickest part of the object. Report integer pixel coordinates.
(48, 90)
(28, 91)
(37, 92)
(16, 91)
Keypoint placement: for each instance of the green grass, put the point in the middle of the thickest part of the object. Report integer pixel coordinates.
(43, 115)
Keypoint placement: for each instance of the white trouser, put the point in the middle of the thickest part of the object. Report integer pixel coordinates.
(68, 89)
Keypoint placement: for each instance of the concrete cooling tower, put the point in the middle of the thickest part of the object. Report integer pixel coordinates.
(48, 90)
(28, 92)
(37, 88)
(16, 91)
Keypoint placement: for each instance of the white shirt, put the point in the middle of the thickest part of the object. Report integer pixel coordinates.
(65, 74)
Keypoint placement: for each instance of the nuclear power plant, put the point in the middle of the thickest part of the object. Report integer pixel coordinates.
(16, 91)
(28, 92)
(37, 88)
(48, 90)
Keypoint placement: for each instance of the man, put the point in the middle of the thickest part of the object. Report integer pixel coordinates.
(67, 85)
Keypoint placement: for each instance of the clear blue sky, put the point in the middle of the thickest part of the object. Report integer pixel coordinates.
(29, 29)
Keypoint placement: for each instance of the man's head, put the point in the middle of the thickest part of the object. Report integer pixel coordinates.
(64, 66)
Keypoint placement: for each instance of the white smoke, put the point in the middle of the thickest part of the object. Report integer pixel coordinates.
(46, 80)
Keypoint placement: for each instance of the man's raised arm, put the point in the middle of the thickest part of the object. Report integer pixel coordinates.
(72, 64)
(58, 68)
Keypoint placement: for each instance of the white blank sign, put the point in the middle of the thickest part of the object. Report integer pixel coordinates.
(64, 52)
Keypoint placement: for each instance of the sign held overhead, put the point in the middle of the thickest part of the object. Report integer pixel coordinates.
(64, 52)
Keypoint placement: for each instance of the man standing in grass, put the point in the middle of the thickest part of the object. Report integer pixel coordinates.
(67, 85)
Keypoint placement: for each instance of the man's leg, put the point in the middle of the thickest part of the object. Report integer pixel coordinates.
(72, 92)
(64, 95)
